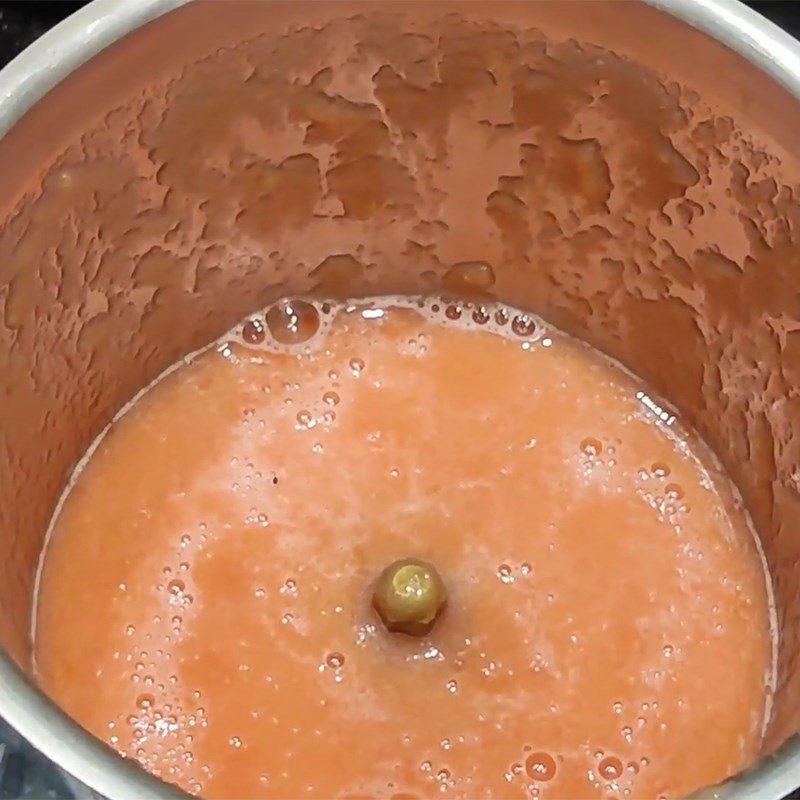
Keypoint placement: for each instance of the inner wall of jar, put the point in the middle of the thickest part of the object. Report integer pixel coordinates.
(231, 153)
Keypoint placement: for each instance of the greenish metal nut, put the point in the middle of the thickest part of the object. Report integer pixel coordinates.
(409, 596)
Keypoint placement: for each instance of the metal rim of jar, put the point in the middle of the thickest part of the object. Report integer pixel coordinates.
(25, 80)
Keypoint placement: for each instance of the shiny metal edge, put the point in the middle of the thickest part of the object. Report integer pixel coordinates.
(38, 68)
(777, 53)
(62, 740)
(746, 32)
(26, 79)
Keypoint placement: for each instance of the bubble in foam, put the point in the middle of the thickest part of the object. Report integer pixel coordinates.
(253, 331)
(523, 325)
(305, 419)
(674, 491)
(504, 573)
(591, 447)
(480, 316)
(610, 768)
(540, 766)
(335, 660)
(292, 322)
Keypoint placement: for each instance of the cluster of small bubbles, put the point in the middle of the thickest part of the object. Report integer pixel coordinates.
(416, 345)
(305, 420)
(451, 686)
(365, 632)
(177, 591)
(490, 669)
(668, 509)
(538, 663)
(255, 517)
(287, 618)
(664, 499)
(660, 412)
(594, 455)
(432, 653)
(444, 779)
(525, 568)
(540, 766)
(235, 741)
(289, 587)
(357, 366)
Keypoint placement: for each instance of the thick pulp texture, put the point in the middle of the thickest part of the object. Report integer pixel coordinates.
(204, 602)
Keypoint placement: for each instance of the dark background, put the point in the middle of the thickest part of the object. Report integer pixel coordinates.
(25, 775)
(22, 21)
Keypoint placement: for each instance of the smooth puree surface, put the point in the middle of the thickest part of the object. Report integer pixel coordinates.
(204, 601)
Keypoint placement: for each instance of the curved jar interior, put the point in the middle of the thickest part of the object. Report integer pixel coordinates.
(626, 177)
